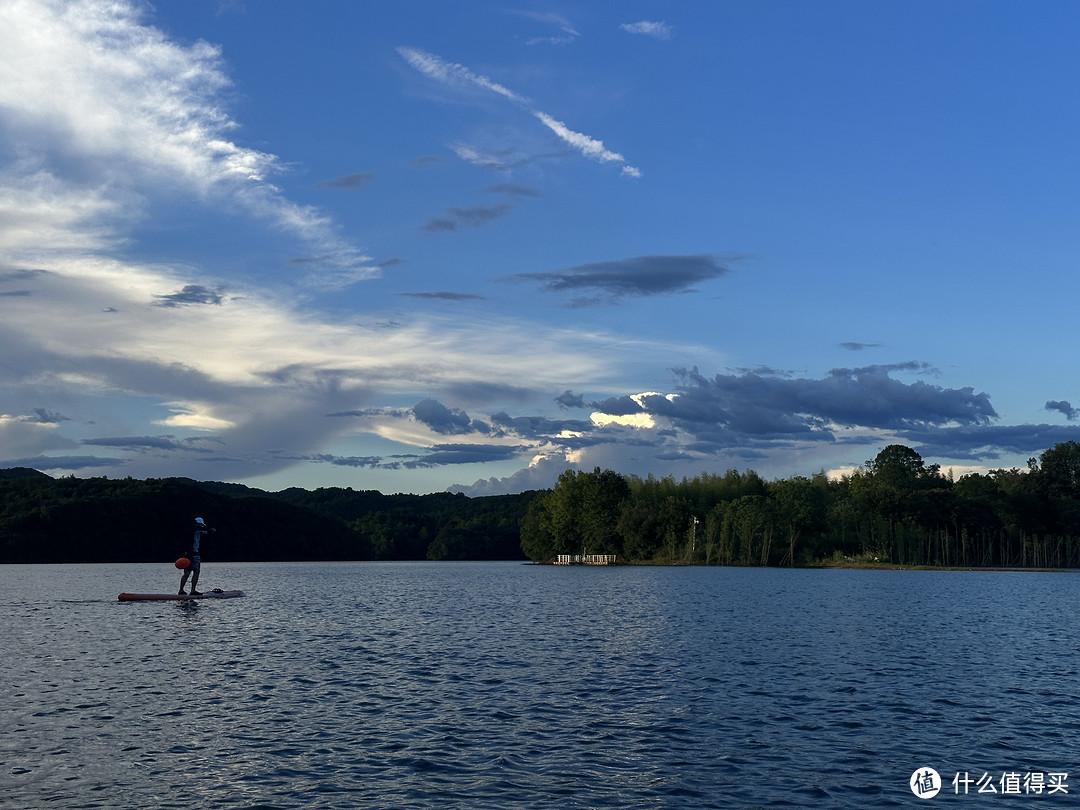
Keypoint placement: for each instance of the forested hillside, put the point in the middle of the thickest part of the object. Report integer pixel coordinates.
(43, 519)
(897, 510)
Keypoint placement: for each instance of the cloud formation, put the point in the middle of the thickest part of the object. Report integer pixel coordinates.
(443, 296)
(1063, 407)
(191, 294)
(454, 75)
(657, 30)
(142, 117)
(475, 216)
(613, 281)
(347, 182)
(567, 32)
(153, 323)
(853, 346)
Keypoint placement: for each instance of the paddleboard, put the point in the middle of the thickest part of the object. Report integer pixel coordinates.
(217, 593)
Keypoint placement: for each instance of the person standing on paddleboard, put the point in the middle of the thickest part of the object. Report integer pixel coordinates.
(201, 530)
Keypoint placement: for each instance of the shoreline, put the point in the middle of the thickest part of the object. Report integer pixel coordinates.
(864, 566)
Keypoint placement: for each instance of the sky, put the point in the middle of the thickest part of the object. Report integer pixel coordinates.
(413, 246)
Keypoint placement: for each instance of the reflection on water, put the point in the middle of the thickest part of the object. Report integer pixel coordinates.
(507, 685)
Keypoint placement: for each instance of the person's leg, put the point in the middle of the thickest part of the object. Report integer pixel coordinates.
(196, 565)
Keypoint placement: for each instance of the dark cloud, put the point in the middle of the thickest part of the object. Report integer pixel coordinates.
(138, 442)
(753, 404)
(445, 420)
(444, 296)
(744, 414)
(473, 217)
(361, 412)
(568, 399)
(439, 455)
(988, 442)
(15, 293)
(477, 215)
(21, 274)
(852, 346)
(439, 225)
(47, 417)
(42, 463)
(349, 461)
(537, 427)
(614, 281)
(347, 182)
(191, 294)
(444, 454)
(617, 406)
(1064, 407)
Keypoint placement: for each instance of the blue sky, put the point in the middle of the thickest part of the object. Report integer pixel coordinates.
(412, 246)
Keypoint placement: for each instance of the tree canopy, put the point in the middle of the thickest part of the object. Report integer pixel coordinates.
(894, 510)
(126, 520)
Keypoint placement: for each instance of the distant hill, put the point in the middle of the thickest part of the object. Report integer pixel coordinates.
(22, 472)
(45, 519)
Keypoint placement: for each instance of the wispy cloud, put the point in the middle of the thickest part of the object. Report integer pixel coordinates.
(456, 75)
(589, 147)
(140, 114)
(453, 74)
(568, 33)
(657, 30)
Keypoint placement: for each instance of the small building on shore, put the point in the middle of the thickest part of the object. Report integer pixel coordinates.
(585, 559)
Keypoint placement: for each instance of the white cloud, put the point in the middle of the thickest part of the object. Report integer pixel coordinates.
(636, 420)
(658, 30)
(455, 75)
(88, 83)
(40, 213)
(589, 147)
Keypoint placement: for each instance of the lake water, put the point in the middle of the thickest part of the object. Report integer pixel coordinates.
(502, 685)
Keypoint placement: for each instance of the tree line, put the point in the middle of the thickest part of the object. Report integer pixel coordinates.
(896, 510)
(70, 519)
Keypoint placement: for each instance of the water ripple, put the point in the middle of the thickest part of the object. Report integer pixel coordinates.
(510, 686)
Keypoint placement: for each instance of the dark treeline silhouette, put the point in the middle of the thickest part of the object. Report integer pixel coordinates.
(45, 519)
(896, 510)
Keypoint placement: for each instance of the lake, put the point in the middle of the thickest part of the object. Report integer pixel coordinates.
(503, 685)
